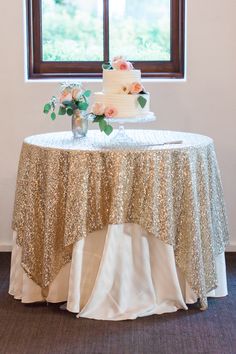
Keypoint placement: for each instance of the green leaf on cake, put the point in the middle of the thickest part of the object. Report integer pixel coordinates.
(87, 93)
(83, 106)
(98, 118)
(142, 101)
(69, 111)
(102, 125)
(106, 66)
(62, 111)
(53, 116)
(142, 92)
(108, 129)
(47, 107)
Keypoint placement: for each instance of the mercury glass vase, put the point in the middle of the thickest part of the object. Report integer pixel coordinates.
(79, 124)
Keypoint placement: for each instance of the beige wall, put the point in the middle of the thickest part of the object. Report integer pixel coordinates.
(205, 103)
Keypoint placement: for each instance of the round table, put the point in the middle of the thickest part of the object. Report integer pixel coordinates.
(168, 184)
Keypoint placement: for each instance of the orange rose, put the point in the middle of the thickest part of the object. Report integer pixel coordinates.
(136, 87)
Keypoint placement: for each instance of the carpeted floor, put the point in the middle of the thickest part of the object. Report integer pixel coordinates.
(41, 329)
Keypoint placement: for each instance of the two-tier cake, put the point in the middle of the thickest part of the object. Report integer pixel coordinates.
(122, 91)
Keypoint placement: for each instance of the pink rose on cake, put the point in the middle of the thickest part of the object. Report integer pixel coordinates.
(123, 65)
(119, 63)
(115, 59)
(98, 109)
(110, 112)
(136, 87)
(100, 113)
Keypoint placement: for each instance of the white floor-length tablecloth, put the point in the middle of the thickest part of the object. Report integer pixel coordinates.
(117, 273)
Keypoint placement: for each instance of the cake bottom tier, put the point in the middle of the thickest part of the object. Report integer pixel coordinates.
(127, 105)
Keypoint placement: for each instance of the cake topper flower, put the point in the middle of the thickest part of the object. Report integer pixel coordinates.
(118, 63)
(133, 89)
(136, 88)
(101, 113)
(110, 112)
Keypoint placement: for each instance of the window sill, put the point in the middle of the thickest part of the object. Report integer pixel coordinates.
(95, 81)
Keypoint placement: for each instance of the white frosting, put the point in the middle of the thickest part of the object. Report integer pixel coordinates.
(127, 105)
(114, 80)
(113, 95)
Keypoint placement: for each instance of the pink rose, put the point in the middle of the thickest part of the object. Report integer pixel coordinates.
(115, 59)
(110, 112)
(76, 93)
(65, 96)
(123, 65)
(116, 63)
(98, 108)
(136, 87)
(120, 63)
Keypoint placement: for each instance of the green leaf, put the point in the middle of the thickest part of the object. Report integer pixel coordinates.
(106, 66)
(53, 116)
(108, 129)
(102, 125)
(83, 106)
(47, 107)
(69, 111)
(62, 111)
(142, 101)
(67, 103)
(87, 93)
(98, 118)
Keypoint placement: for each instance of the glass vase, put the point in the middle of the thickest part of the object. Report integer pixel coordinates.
(79, 124)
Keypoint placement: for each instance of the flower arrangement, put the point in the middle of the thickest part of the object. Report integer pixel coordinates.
(72, 99)
(100, 113)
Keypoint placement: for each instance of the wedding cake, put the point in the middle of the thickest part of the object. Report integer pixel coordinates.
(123, 95)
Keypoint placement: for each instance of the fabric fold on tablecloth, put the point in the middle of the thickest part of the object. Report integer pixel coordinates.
(117, 273)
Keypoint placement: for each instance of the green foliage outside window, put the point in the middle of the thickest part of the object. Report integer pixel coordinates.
(73, 30)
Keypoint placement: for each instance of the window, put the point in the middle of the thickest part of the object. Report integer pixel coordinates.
(72, 38)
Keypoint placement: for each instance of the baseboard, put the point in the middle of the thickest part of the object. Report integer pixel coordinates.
(231, 248)
(5, 248)
(8, 248)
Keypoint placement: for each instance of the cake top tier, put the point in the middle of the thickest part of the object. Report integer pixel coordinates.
(116, 81)
(119, 75)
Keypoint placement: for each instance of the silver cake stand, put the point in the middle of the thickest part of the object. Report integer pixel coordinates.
(120, 138)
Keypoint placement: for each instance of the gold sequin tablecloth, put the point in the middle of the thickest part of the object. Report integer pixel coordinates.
(67, 189)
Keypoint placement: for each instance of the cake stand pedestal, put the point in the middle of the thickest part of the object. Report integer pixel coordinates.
(121, 138)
